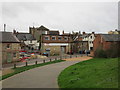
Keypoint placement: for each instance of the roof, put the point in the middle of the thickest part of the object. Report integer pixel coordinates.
(25, 36)
(111, 37)
(43, 28)
(9, 37)
(53, 32)
(85, 35)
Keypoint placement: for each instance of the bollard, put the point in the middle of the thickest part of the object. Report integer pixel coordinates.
(36, 62)
(70, 56)
(60, 58)
(14, 65)
(43, 61)
(55, 58)
(26, 64)
(50, 59)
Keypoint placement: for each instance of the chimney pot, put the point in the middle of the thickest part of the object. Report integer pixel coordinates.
(14, 31)
(93, 32)
(63, 31)
(84, 33)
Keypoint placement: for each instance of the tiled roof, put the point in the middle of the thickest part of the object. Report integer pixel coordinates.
(43, 28)
(25, 36)
(54, 32)
(111, 37)
(8, 37)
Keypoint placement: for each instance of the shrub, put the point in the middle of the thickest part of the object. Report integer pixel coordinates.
(100, 53)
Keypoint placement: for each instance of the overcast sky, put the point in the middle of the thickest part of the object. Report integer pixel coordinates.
(67, 16)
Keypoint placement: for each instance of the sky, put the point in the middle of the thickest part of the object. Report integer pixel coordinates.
(68, 16)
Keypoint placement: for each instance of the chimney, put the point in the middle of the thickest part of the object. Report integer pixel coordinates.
(84, 33)
(14, 31)
(4, 27)
(63, 32)
(93, 32)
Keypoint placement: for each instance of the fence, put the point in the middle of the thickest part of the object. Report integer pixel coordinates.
(27, 63)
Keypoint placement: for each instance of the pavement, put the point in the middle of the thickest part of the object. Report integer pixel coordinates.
(84, 58)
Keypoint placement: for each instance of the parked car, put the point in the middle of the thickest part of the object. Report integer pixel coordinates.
(45, 54)
(24, 58)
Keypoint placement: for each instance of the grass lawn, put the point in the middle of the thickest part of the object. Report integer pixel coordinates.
(25, 68)
(94, 73)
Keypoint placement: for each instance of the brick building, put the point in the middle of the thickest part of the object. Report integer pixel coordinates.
(55, 43)
(104, 41)
(51, 41)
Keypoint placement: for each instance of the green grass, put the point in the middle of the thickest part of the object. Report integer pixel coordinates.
(25, 68)
(94, 73)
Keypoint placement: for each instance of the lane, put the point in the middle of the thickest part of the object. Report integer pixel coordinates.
(41, 77)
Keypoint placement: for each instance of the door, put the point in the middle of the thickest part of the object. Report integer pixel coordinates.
(63, 49)
(9, 57)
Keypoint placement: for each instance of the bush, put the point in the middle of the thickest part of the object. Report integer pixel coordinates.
(100, 53)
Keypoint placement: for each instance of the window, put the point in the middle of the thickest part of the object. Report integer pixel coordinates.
(66, 38)
(46, 38)
(8, 46)
(91, 48)
(30, 41)
(45, 32)
(59, 38)
(14, 54)
(91, 37)
(53, 38)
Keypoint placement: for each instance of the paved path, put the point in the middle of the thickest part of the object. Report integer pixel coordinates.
(41, 77)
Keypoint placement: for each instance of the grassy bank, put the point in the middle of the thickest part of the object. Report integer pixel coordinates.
(94, 73)
(25, 68)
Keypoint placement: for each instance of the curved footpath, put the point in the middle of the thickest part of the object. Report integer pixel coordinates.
(41, 77)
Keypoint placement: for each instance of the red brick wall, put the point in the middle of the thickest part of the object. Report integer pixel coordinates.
(106, 45)
(56, 41)
(98, 43)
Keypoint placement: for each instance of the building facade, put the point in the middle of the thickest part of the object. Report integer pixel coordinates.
(10, 47)
(114, 32)
(56, 44)
(104, 41)
(28, 42)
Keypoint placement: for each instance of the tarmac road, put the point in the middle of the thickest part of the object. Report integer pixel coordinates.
(41, 77)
